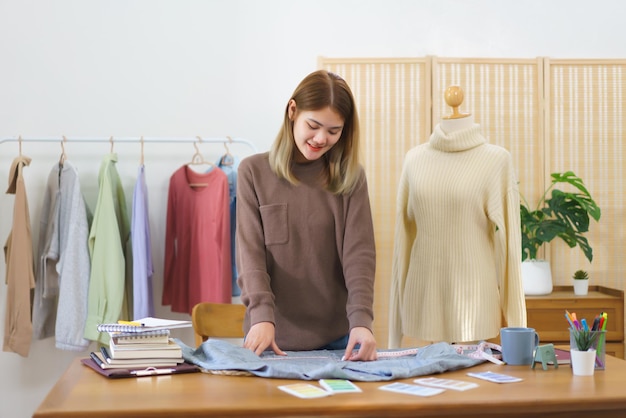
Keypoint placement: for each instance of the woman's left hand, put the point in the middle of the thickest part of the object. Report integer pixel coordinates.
(367, 342)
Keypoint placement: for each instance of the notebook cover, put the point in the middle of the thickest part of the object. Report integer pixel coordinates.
(121, 373)
(562, 356)
(132, 363)
(125, 352)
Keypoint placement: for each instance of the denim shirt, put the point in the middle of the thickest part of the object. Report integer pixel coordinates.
(326, 364)
(228, 164)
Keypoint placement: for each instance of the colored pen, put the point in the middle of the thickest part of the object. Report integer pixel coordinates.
(584, 324)
(105, 354)
(596, 324)
(151, 372)
(96, 359)
(602, 337)
(131, 323)
(569, 320)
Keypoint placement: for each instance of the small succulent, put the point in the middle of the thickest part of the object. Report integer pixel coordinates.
(581, 275)
(585, 339)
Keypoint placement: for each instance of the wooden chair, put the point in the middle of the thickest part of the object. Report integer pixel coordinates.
(217, 320)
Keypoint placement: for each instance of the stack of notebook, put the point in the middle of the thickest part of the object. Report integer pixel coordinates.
(141, 344)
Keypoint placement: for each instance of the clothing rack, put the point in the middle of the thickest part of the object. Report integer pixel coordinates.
(172, 140)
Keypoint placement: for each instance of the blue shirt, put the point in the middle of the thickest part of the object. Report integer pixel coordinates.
(216, 354)
(228, 164)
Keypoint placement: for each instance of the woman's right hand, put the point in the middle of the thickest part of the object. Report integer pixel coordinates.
(260, 337)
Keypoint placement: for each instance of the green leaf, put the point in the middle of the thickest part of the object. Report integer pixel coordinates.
(559, 214)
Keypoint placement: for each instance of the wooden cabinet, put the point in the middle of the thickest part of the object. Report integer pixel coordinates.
(546, 314)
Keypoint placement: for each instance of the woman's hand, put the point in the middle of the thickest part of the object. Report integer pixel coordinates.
(367, 351)
(260, 337)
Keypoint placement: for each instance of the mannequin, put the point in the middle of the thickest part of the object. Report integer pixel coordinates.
(457, 249)
(454, 97)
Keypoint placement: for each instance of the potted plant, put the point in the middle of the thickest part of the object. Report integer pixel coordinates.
(582, 350)
(585, 339)
(558, 214)
(581, 282)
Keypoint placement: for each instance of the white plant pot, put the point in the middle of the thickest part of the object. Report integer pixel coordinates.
(536, 277)
(581, 287)
(583, 362)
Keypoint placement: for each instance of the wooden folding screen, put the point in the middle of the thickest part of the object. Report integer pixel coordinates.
(393, 99)
(552, 115)
(585, 131)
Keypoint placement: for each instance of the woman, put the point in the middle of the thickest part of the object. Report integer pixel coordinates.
(305, 240)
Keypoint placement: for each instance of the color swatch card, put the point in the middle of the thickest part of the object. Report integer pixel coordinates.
(304, 390)
(409, 389)
(339, 386)
(435, 382)
(495, 377)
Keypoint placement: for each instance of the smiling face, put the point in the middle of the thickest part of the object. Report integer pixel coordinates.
(315, 131)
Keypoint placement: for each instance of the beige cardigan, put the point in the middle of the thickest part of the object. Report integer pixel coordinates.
(20, 277)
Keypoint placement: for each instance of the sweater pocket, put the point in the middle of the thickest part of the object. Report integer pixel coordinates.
(275, 229)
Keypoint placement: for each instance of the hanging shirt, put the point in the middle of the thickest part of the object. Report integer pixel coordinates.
(20, 277)
(62, 283)
(143, 304)
(229, 164)
(197, 240)
(110, 287)
(46, 295)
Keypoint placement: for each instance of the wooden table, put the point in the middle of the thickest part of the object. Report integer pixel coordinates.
(81, 392)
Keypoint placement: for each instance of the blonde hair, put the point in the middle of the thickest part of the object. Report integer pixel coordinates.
(319, 90)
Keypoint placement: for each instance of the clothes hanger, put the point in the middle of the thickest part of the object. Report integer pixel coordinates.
(63, 156)
(227, 159)
(20, 144)
(198, 159)
(111, 141)
(141, 157)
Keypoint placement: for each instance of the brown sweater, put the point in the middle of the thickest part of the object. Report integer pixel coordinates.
(306, 257)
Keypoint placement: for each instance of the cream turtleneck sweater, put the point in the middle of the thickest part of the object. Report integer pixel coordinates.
(457, 253)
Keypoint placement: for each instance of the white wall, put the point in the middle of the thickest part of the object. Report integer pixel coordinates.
(214, 68)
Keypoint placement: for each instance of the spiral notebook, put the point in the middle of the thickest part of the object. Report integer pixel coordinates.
(157, 336)
(143, 325)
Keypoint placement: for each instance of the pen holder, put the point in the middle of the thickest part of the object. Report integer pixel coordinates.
(596, 341)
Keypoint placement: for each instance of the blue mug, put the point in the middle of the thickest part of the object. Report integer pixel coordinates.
(518, 345)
